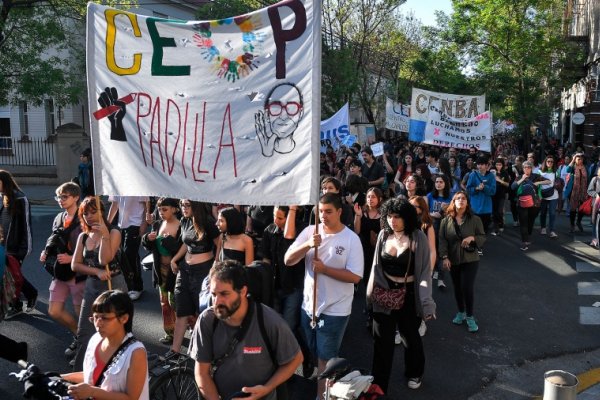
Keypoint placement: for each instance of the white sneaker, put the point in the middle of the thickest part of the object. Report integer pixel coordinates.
(553, 235)
(441, 284)
(134, 294)
(543, 231)
(414, 383)
(435, 275)
(422, 328)
(399, 339)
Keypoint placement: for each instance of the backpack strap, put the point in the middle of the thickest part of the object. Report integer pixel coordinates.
(115, 357)
(261, 325)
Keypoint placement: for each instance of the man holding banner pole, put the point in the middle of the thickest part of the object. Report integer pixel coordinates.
(339, 266)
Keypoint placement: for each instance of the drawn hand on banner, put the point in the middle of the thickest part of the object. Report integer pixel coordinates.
(276, 124)
(110, 97)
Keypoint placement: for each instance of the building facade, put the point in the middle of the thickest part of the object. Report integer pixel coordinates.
(582, 98)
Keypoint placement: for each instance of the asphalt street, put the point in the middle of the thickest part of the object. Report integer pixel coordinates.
(534, 310)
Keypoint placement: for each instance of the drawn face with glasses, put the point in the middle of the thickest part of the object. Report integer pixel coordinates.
(284, 110)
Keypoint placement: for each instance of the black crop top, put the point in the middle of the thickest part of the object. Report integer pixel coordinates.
(190, 239)
(396, 266)
(232, 254)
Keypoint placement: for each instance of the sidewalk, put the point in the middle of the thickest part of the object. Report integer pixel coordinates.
(527, 381)
(40, 194)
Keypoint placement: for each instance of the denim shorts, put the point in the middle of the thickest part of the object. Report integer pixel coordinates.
(326, 339)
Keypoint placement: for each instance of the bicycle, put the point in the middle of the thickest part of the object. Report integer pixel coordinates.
(172, 378)
(40, 385)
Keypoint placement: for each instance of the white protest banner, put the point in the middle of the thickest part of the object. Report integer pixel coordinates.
(377, 149)
(221, 111)
(445, 131)
(396, 116)
(456, 106)
(335, 129)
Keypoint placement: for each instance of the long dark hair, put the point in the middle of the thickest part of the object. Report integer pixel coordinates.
(446, 191)
(235, 221)
(9, 186)
(199, 217)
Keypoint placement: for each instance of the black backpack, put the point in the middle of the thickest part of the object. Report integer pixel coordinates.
(261, 285)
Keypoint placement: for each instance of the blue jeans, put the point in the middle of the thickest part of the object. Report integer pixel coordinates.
(289, 305)
(548, 207)
(326, 339)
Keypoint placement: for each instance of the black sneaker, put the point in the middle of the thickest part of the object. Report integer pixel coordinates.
(72, 349)
(31, 304)
(13, 312)
(308, 369)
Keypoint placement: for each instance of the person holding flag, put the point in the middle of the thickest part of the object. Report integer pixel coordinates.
(334, 264)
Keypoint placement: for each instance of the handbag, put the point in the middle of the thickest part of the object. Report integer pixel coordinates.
(392, 299)
(548, 192)
(526, 201)
(472, 246)
(586, 207)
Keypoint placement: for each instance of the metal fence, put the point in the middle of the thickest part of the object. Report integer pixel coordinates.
(27, 152)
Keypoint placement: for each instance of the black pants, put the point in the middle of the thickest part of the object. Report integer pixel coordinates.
(485, 220)
(463, 280)
(527, 217)
(28, 290)
(498, 212)
(384, 331)
(572, 217)
(11, 350)
(130, 242)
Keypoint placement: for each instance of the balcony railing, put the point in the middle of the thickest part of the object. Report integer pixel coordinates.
(27, 152)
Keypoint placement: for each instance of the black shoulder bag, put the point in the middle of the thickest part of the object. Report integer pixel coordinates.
(472, 246)
(114, 358)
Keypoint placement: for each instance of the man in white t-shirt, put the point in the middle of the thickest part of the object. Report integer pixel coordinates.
(339, 267)
(132, 212)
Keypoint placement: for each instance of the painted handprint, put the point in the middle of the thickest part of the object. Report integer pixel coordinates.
(110, 97)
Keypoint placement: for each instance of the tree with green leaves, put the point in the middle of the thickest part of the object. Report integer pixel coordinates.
(42, 51)
(514, 48)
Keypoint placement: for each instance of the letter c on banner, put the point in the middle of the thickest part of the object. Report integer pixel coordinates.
(111, 34)
(282, 36)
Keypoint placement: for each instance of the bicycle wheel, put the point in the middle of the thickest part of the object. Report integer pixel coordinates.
(176, 384)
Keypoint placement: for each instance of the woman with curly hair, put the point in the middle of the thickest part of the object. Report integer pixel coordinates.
(461, 234)
(402, 264)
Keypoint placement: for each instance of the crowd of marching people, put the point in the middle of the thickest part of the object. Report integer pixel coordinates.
(387, 227)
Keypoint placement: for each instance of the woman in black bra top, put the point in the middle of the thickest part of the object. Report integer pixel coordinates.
(233, 243)
(191, 264)
(401, 262)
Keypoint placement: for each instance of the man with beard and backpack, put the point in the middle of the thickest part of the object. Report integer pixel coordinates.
(240, 345)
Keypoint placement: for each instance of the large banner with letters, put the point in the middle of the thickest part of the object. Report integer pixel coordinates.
(335, 131)
(456, 106)
(445, 131)
(223, 111)
(396, 115)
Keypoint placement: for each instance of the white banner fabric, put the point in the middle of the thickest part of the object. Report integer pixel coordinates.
(335, 129)
(396, 116)
(221, 111)
(456, 106)
(444, 131)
